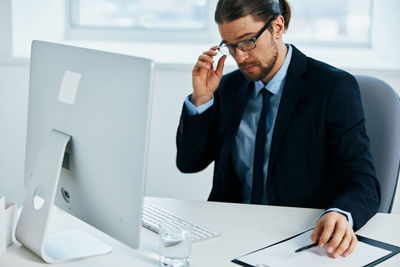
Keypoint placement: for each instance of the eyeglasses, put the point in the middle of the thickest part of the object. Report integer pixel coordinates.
(245, 45)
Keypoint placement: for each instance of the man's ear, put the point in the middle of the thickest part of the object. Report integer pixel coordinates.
(278, 26)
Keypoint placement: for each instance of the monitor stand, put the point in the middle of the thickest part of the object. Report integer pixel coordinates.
(33, 225)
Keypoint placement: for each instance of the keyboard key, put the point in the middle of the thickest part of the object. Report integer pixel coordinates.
(152, 216)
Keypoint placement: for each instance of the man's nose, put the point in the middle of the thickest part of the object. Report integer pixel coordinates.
(240, 56)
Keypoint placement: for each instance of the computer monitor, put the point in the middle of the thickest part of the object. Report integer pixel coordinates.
(96, 107)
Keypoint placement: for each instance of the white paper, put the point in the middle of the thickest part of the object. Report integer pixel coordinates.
(283, 254)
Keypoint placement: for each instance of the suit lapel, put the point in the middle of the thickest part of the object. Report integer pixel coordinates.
(291, 93)
(238, 106)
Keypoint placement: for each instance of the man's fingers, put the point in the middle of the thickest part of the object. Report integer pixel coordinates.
(317, 232)
(214, 48)
(206, 58)
(201, 64)
(334, 227)
(329, 226)
(338, 236)
(352, 246)
(344, 244)
(220, 66)
(210, 53)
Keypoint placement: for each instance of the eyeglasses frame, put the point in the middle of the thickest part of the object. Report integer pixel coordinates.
(254, 39)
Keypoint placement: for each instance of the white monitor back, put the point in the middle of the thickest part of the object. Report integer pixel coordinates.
(108, 121)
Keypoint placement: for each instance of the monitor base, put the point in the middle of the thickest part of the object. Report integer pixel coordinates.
(73, 244)
(33, 224)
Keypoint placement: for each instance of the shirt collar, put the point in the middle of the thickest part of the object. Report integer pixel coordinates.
(274, 85)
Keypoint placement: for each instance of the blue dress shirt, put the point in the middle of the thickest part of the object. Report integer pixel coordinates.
(243, 149)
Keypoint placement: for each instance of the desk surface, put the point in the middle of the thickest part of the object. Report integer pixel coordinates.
(243, 228)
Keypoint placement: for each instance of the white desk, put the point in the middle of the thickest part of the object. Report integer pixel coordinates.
(243, 228)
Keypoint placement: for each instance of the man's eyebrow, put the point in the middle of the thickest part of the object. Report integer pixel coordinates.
(241, 37)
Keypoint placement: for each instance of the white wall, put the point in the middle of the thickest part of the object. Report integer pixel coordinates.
(36, 19)
(172, 85)
(5, 29)
(386, 44)
(13, 108)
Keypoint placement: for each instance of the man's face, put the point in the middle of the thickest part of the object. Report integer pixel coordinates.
(256, 64)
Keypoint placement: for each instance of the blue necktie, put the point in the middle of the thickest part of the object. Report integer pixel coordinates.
(259, 151)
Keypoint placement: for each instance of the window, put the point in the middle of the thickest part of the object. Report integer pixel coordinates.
(338, 22)
(146, 20)
(148, 14)
(314, 22)
(5, 29)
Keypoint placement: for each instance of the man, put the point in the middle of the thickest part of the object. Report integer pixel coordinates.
(284, 129)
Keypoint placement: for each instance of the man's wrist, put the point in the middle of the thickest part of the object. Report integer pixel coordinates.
(193, 110)
(200, 100)
(345, 213)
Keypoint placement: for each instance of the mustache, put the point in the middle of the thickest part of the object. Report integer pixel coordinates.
(247, 64)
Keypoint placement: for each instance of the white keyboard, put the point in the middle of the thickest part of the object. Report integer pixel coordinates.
(153, 216)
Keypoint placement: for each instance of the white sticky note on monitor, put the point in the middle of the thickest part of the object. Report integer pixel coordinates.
(69, 87)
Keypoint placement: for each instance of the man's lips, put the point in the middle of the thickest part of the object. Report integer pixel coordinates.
(249, 67)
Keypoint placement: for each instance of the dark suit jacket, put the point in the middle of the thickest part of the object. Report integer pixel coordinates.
(319, 154)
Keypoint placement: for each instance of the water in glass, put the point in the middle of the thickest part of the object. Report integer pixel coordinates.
(175, 243)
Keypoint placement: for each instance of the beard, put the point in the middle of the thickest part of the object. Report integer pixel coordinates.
(265, 68)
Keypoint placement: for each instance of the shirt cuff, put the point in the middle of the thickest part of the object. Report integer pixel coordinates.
(193, 110)
(346, 213)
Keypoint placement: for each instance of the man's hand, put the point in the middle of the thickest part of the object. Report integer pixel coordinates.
(204, 78)
(336, 225)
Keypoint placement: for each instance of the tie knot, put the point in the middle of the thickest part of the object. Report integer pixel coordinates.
(265, 93)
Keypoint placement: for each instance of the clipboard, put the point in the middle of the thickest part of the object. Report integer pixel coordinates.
(369, 252)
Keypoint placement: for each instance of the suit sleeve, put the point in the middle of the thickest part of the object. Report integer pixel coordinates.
(351, 164)
(196, 140)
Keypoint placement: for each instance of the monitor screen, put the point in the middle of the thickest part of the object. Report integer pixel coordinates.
(102, 101)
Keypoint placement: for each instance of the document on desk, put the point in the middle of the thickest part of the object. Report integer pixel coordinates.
(368, 252)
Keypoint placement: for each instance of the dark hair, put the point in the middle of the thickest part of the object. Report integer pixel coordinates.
(230, 10)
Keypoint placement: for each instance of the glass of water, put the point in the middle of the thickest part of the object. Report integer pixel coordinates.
(175, 243)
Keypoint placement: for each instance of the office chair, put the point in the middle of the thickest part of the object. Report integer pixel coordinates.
(382, 119)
